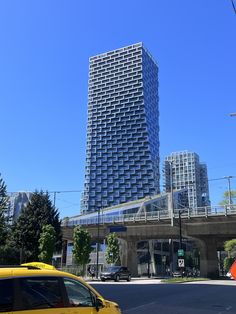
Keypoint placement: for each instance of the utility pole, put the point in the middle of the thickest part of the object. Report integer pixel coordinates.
(229, 188)
(54, 198)
(229, 185)
(57, 192)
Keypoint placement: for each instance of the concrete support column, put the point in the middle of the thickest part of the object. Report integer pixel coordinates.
(128, 252)
(208, 258)
(152, 258)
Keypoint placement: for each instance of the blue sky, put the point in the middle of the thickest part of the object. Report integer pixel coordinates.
(44, 52)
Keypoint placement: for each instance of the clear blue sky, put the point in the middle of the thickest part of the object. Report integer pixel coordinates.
(44, 52)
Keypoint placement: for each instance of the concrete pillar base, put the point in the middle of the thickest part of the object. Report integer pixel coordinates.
(208, 258)
(128, 250)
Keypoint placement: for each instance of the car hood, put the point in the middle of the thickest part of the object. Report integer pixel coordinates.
(112, 305)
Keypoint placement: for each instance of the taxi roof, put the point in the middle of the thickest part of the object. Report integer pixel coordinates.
(28, 271)
(21, 271)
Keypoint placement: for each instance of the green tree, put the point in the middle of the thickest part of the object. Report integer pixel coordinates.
(4, 205)
(9, 255)
(27, 229)
(189, 260)
(82, 246)
(225, 200)
(113, 249)
(230, 248)
(228, 261)
(46, 244)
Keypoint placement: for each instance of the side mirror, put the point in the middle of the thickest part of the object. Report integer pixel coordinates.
(99, 304)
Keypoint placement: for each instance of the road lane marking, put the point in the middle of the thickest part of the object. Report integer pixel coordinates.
(138, 307)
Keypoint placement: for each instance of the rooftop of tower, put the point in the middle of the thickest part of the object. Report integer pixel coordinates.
(107, 53)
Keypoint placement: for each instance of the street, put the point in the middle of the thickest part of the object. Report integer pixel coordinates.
(151, 296)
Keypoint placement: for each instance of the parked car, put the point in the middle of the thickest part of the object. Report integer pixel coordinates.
(177, 274)
(29, 289)
(116, 273)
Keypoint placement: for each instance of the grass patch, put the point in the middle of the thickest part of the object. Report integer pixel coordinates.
(184, 279)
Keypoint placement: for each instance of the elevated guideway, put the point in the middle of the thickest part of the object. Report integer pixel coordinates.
(208, 226)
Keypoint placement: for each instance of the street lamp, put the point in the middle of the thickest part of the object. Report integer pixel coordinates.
(171, 246)
(98, 235)
(180, 229)
(233, 114)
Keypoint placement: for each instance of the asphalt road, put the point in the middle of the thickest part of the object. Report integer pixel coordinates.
(151, 297)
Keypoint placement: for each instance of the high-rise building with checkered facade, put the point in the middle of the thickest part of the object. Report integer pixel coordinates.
(184, 170)
(122, 155)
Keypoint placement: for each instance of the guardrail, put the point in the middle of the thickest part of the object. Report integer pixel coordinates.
(186, 213)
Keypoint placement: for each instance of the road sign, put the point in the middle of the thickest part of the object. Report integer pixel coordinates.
(181, 262)
(118, 229)
(180, 252)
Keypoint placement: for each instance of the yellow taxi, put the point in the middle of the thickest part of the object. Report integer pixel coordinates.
(34, 290)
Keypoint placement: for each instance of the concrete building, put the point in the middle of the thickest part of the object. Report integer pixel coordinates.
(184, 170)
(122, 155)
(17, 201)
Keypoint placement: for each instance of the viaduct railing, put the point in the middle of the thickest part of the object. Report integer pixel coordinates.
(160, 215)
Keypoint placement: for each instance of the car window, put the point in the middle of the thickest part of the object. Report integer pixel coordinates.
(40, 293)
(78, 294)
(6, 295)
(112, 269)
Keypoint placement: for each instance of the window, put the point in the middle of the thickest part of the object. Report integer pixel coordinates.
(40, 293)
(78, 294)
(6, 295)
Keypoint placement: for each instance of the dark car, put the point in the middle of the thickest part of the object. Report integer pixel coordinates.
(177, 274)
(116, 273)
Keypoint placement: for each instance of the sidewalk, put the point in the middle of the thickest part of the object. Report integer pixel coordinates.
(133, 279)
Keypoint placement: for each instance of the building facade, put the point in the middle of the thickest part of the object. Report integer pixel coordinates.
(17, 201)
(122, 154)
(184, 170)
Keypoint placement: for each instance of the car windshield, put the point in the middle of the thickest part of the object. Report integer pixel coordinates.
(112, 269)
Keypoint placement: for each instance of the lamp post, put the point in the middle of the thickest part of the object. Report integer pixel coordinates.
(180, 227)
(233, 114)
(171, 246)
(180, 230)
(98, 235)
(181, 262)
(149, 257)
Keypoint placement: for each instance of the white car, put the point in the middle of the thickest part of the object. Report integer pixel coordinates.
(229, 275)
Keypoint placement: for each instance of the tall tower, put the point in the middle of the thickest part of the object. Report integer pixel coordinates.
(122, 155)
(184, 170)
